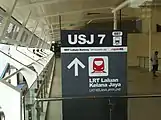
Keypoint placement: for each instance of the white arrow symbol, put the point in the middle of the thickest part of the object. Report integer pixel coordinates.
(75, 63)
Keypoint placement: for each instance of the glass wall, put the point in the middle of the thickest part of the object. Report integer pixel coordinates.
(13, 30)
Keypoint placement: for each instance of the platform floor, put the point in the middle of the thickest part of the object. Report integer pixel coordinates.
(55, 107)
(140, 81)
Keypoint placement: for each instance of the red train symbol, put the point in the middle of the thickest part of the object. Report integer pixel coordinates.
(98, 65)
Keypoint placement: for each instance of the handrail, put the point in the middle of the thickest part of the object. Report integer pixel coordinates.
(44, 57)
(4, 71)
(42, 83)
(144, 57)
(15, 60)
(98, 97)
(31, 64)
(39, 90)
(12, 58)
(20, 62)
(144, 60)
(40, 58)
(18, 71)
(29, 57)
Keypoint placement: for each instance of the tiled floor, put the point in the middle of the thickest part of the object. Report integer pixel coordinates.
(140, 81)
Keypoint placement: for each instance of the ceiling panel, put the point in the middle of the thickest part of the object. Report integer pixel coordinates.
(74, 13)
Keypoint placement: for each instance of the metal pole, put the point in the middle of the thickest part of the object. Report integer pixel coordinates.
(23, 26)
(45, 81)
(43, 41)
(144, 61)
(60, 22)
(24, 106)
(33, 31)
(120, 19)
(42, 31)
(44, 88)
(41, 94)
(111, 108)
(94, 97)
(122, 5)
(60, 27)
(115, 21)
(150, 37)
(18, 71)
(38, 110)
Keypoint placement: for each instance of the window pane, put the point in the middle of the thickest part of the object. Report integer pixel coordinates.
(23, 36)
(9, 31)
(1, 19)
(16, 31)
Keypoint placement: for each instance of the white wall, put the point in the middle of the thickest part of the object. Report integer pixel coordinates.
(138, 43)
(138, 46)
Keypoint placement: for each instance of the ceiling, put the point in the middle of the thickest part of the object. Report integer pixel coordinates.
(72, 13)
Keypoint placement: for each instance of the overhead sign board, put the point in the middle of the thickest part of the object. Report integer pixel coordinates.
(94, 63)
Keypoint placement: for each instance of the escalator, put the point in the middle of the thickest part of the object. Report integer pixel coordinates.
(3, 70)
(54, 111)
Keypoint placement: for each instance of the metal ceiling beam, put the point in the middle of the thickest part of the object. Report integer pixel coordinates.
(84, 20)
(122, 5)
(46, 20)
(152, 4)
(67, 22)
(75, 11)
(126, 3)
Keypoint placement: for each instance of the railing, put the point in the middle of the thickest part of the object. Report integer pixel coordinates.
(139, 106)
(33, 110)
(13, 31)
(143, 62)
(4, 71)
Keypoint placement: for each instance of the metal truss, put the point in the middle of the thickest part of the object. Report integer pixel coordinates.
(76, 11)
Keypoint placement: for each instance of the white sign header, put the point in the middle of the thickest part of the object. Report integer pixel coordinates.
(92, 49)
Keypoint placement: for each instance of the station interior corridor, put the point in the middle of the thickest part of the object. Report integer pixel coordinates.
(48, 46)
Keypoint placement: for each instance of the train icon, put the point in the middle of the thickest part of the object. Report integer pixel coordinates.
(98, 65)
(117, 41)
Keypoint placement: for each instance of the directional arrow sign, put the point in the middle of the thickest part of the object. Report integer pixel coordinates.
(75, 63)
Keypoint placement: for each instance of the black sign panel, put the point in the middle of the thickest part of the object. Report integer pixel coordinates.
(78, 38)
(94, 63)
